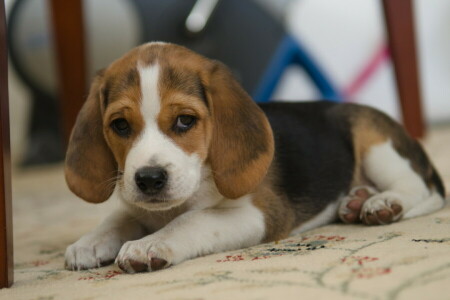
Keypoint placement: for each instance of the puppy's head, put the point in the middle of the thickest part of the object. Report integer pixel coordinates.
(157, 118)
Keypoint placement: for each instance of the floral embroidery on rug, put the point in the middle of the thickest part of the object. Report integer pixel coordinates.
(99, 276)
(280, 248)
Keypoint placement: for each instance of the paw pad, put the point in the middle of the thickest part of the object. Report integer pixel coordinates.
(381, 209)
(157, 263)
(138, 266)
(351, 205)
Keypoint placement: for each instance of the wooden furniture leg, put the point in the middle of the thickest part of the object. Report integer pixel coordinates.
(6, 239)
(400, 27)
(68, 32)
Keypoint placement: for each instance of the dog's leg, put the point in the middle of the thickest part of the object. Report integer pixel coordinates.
(100, 246)
(234, 224)
(403, 192)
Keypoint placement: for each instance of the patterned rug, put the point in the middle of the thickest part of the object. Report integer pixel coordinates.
(406, 260)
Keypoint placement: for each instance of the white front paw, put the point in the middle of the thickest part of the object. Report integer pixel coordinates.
(91, 251)
(146, 254)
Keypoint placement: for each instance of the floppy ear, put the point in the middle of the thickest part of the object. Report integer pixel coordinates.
(242, 145)
(90, 164)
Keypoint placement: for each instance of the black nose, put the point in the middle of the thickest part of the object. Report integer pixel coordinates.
(151, 180)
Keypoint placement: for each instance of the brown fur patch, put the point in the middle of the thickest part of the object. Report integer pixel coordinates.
(120, 146)
(90, 167)
(124, 99)
(242, 145)
(184, 81)
(197, 139)
(371, 127)
(365, 135)
(279, 215)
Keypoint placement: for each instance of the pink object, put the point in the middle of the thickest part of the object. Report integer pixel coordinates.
(381, 54)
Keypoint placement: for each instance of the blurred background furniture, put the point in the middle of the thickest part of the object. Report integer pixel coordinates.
(399, 24)
(288, 53)
(399, 20)
(6, 240)
(242, 34)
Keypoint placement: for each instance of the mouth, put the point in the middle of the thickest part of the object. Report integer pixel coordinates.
(155, 200)
(151, 199)
(156, 204)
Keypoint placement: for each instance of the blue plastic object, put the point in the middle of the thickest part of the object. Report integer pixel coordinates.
(291, 52)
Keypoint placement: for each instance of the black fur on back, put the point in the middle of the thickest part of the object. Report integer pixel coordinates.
(314, 160)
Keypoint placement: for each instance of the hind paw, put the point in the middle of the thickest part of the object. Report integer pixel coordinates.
(383, 208)
(351, 205)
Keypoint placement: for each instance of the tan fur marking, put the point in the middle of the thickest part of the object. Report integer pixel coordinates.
(120, 146)
(90, 169)
(371, 127)
(242, 146)
(365, 136)
(279, 216)
(197, 139)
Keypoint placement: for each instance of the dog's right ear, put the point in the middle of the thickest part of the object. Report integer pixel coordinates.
(90, 166)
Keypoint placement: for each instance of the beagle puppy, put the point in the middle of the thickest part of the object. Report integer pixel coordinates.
(198, 167)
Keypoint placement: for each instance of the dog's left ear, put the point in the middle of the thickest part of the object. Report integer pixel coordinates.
(242, 145)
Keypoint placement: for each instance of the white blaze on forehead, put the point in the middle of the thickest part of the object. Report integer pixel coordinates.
(151, 101)
(157, 43)
(153, 148)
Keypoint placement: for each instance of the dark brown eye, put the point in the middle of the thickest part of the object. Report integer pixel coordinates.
(121, 127)
(184, 123)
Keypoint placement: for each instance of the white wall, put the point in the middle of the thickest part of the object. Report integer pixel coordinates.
(433, 28)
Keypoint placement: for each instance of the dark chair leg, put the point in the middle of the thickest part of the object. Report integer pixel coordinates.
(400, 27)
(6, 239)
(68, 30)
